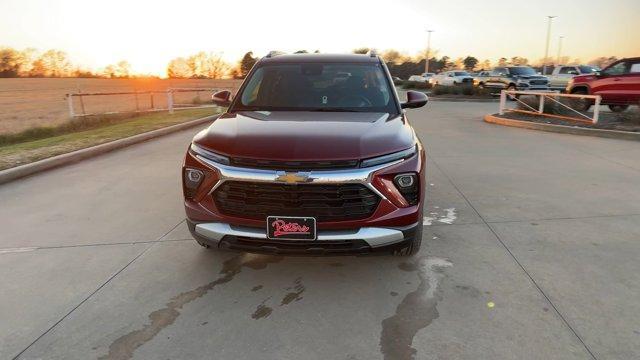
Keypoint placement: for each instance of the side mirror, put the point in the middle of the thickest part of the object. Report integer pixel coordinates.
(415, 99)
(222, 98)
(598, 73)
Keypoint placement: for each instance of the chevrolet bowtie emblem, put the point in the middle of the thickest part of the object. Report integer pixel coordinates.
(293, 177)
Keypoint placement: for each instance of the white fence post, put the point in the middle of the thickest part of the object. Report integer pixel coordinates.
(596, 110)
(503, 102)
(70, 103)
(170, 100)
(541, 106)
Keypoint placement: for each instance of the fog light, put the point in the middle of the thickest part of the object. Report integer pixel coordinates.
(192, 179)
(405, 180)
(407, 184)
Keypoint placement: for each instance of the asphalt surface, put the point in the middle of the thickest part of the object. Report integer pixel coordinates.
(531, 253)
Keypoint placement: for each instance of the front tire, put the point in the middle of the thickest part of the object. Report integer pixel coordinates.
(581, 104)
(413, 246)
(618, 108)
(512, 88)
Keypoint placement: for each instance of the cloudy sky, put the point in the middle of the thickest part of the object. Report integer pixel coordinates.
(150, 33)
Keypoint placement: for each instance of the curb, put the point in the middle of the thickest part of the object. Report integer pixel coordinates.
(78, 155)
(563, 129)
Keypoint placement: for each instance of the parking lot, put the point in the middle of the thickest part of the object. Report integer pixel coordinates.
(531, 252)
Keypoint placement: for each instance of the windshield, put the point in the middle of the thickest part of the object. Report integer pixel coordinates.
(461, 73)
(588, 69)
(522, 70)
(318, 87)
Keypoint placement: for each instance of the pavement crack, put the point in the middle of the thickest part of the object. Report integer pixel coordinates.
(124, 346)
(515, 259)
(416, 311)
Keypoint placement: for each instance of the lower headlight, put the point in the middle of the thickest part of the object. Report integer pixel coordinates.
(408, 186)
(192, 179)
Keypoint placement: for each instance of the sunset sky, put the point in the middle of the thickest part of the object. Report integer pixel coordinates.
(150, 33)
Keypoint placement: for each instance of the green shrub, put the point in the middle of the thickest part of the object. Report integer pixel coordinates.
(416, 85)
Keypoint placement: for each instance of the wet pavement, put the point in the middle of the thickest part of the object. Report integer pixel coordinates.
(530, 252)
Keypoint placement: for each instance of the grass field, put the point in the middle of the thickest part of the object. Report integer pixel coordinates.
(27, 103)
(12, 155)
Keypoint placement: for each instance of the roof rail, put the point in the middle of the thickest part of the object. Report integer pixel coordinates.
(274, 53)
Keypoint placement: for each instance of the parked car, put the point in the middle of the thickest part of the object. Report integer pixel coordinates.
(618, 85)
(301, 164)
(424, 77)
(480, 78)
(559, 78)
(450, 78)
(516, 78)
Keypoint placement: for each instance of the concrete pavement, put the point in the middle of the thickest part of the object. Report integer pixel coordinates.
(531, 254)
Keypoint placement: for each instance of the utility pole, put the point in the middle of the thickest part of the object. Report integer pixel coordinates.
(426, 66)
(559, 49)
(546, 49)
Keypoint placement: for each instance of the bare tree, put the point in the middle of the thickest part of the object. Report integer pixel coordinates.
(10, 62)
(52, 63)
(178, 68)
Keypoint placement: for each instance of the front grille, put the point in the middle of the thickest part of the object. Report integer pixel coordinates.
(538, 82)
(467, 80)
(336, 247)
(331, 202)
(293, 165)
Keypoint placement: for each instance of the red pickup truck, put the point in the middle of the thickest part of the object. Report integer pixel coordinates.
(618, 85)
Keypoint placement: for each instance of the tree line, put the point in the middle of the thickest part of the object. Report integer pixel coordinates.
(52, 63)
(203, 65)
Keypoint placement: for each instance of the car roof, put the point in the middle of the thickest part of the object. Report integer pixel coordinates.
(321, 58)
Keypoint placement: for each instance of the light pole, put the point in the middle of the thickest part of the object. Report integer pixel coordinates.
(559, 49)
(426, 66)
(546, 49)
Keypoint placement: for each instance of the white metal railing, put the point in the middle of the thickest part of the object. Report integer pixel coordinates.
(553, 96)
(169, 93)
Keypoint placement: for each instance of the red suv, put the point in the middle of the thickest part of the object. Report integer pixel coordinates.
(618, 85)
(314, 155)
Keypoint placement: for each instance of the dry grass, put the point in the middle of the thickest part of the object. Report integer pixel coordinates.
(25, 152)
(28, 103)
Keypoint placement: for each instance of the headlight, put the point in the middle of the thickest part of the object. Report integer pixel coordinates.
(209, 155)
(400, 155)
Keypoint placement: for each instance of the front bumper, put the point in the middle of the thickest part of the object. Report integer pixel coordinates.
(522, 87)
(346, 242)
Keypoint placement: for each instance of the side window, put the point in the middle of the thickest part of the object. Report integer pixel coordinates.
(617, 69)
(565, 70)
(635, 68)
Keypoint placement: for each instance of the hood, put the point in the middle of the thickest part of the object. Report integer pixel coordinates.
(298, 135)
(531, 77)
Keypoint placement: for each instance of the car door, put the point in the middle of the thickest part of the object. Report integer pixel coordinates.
(629, 84)
(495, 80)
(608, 83)
(562, 78)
